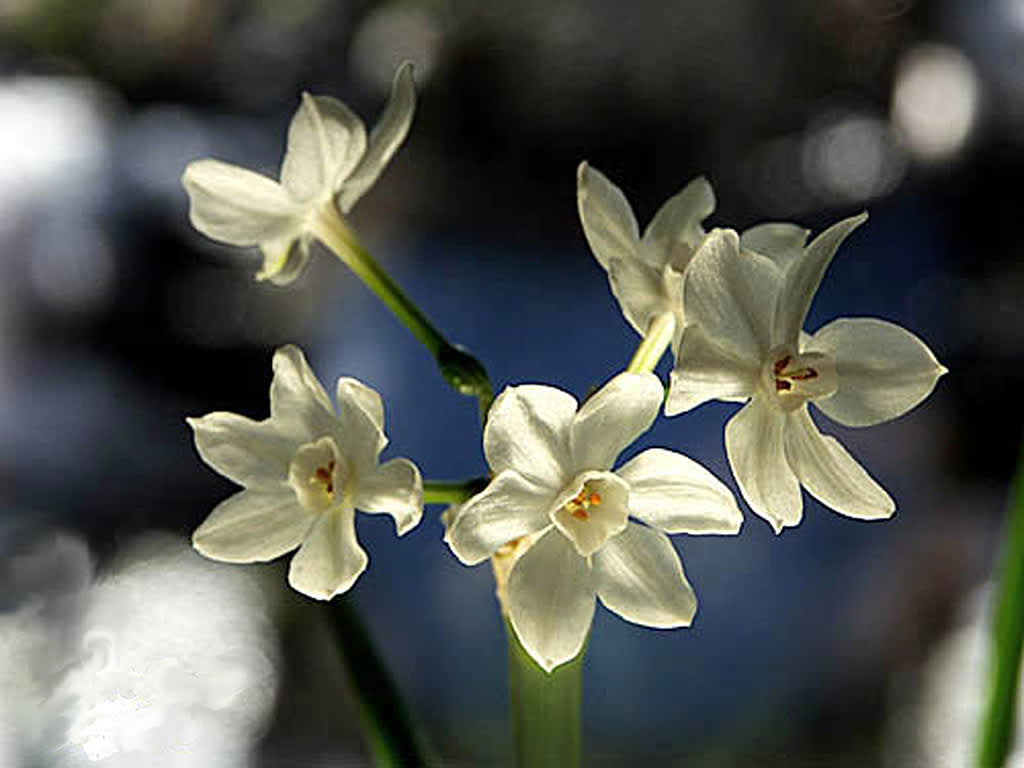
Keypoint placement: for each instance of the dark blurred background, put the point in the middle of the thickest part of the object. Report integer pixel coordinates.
(840, 643)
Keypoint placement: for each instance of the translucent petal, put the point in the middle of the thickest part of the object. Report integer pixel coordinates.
(325, 143)
(551, 600)
(385, 138)
(237, 206)
(802, 279)
(253, 526)
(615, 416)
(731, 295)
(396, 488)
(528, 430)
(354, 393)
(330, 560)
(638, 576)
(251, 453)
(607, 219)
(298, 402)
(755, 441)
(675, 494)
(884, 370)
(679, 221)
(640, 290)
(781, 242)
(284, 260)
(830, 474)
(705, 371)
(510, 507)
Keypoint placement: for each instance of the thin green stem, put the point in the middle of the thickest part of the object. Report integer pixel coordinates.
(454, 492)
(392, 739)
(996, 735)
(460, 369)
(654, 344)
(546, 709)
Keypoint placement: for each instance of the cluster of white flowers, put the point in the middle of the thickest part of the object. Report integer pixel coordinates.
(560, 524)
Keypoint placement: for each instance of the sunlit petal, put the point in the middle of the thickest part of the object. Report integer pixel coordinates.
(755, 441)
(297, 399)
(675, 494)
(510, 507)
(325, 142)
(237, 206)
(551, 600)
(615, 416)
(640, 290)
(253, 526)
(638, 576)
(396, 488)
(528, 430)
(704, 371)
(679, 221)
(385, 138)
(781, 242)
(608, 221)
(884, 370)
(831, 474)
(254, 454)
(330, 560)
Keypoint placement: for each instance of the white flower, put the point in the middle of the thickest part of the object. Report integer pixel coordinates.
(552, 482)
(305, 470)
(328, 165)
(746, 344)
(646, 274)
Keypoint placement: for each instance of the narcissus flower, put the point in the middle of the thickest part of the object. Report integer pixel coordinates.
(646, 274)
(745, 344)
(328, 165)
(558, 517)
(306, 470)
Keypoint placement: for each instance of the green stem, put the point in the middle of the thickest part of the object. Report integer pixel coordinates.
(654, 344)
(546, 709)
(391, 737)
(998, 720)
(444, 492)
(460, 369)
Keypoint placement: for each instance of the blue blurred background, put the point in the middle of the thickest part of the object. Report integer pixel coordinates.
(117, 320)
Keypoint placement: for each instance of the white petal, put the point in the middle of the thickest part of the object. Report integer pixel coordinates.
(679, 220)
(588, 525)
(510, 507)
(884, 370)
(251, 453)
(330, 560)
(396, 488)
(705, 371)
(781, 242)
(615, 416)
(551, 600)
(237, 206)
(755, 441)
(732, 296)
(284, 260)
(298, 403)
(608, 221)
(385, 138)
(638, 576)
(528, 430)
(325, 142)
(675, 494)
(354, 393)
(641, 291)
(802, 279)
(253, 526)
(832, 475)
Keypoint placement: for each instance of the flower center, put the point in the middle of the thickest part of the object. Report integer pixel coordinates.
(793, 379)
(317, 473)
(591, 509)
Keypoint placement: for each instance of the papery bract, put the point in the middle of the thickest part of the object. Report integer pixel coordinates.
(306, 470)
(560, 516)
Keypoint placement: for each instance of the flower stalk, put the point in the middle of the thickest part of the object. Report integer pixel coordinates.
(392, 737)
(463, 372)
(655, 342)
(451, 492)
(546, 709)
(996, 736)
